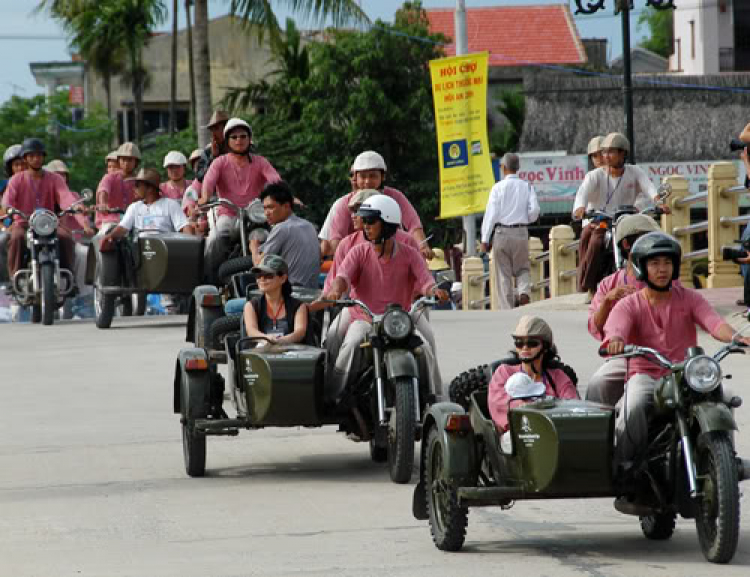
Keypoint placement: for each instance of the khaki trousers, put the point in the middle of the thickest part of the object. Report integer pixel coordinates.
(510, 252)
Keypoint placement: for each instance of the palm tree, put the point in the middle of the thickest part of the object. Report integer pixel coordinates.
(173, 79)
(259, 14)
(188, 4)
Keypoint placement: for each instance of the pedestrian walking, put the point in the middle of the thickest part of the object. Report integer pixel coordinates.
(512, 206)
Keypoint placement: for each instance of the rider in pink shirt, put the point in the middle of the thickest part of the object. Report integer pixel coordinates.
(174, 188)
(380, 272)
(115, 191)
(238, 176)
(369, 173)
(660, 316)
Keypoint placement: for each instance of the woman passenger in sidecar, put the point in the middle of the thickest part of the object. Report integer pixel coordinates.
(537, 374)
(276, 315)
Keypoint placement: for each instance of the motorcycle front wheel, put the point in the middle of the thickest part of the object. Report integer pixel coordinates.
(402, 431)
(717, 517)
(48, 294)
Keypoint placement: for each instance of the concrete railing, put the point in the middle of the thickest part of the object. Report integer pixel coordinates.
(554, 271)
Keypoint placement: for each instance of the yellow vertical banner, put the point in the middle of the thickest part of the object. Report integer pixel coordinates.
(459, 90)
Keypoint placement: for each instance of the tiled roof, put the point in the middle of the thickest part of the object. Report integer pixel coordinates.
(516, 35)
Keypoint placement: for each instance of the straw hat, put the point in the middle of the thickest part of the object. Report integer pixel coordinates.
(438, 260)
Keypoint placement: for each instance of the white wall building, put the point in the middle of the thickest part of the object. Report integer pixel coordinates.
(711, 36)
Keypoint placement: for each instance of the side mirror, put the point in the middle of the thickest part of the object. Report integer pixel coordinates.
(444, 276)
(664, 191)
(87, 194)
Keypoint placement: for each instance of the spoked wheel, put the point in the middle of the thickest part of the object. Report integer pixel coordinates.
(718, 516)
(448, 520)
(659, 526)
(49, 302)
(193, 449)
(401, 432)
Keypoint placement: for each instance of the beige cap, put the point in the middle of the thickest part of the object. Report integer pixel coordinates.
(56, 166)
(595, 145)
(149, 176)
(129, 149)
(217, 117)
(437, 262)
(616, 140)
(530, 326)
(632, 224)
(360, 196)
(195, 155)
(111, 156)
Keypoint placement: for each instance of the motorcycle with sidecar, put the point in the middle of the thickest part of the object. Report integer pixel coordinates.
(556, 449)
(272, 385)
(43, 284)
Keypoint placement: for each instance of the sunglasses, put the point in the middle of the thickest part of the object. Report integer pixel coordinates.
(266, 275)
(531, 343)
(240, 136)
(369, 219)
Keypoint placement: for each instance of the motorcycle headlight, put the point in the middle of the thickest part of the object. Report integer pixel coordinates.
(256, 213)
(43, 222)
(703, 374)
(397, 324)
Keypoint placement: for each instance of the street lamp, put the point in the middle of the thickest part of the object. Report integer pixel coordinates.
(624, 7)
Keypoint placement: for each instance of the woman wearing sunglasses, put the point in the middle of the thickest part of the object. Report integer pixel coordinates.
(537, 355)
(275, 315)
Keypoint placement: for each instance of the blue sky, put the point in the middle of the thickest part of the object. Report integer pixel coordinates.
(26, 37)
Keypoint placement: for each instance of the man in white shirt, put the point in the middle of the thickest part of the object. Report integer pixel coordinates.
(606, 189)
(151, 211)
(512, 206)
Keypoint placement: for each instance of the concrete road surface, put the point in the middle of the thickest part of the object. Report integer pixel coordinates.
(92, 480)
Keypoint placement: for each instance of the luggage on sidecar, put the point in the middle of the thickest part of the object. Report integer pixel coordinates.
(557, 447)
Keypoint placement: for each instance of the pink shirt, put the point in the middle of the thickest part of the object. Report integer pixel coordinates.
(73, 221)
(353, 240)
(119, 195)
(499, 402)
(669, 327)
(341, 225)
(378, 283)
(614, 280)
(170, 190)
(239, 182)
(27, 194)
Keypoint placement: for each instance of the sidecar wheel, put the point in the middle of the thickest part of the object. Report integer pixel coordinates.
(659, 526)
(193, 450)
(402, 432)
(718, 514)
(448, 519)
(104, 307)
(233, 266)
(49, 302)
(220, 328)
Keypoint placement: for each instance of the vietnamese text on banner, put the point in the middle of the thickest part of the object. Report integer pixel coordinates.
(459, 90)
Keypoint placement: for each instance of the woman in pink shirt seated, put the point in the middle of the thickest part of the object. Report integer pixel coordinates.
(536, 350)
(662, 316)
(175, 163)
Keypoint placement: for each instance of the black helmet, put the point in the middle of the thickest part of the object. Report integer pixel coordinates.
(33, 145)
(652, 245)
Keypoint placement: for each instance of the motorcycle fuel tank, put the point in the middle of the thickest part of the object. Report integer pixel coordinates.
(564, 446)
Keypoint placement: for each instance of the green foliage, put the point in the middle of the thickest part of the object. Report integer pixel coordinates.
(513, 107)
(659, 24)
(82, 147)
(365, 91)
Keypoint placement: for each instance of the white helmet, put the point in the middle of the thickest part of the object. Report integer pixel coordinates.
(234, 123)
(521, 386)
(174, 157)
(369, 160)
(382, 206)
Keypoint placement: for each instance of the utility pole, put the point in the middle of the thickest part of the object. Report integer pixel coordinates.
(462, 48)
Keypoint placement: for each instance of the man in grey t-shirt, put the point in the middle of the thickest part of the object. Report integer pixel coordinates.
(292, 238)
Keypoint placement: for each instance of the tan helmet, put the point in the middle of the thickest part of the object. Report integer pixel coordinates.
(129, 149)
(595, 145)
(56, 166)
(195, 155)
(360, 196)
(111, 156)
(616, 140)
(149, 176)
(632, 224)
(530, 326)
